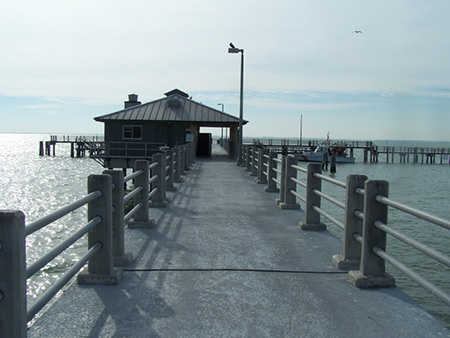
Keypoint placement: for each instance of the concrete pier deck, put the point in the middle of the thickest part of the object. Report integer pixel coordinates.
(225, 261)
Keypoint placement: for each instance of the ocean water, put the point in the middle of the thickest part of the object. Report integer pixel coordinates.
(38, 185)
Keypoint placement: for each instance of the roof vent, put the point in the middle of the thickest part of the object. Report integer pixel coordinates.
(174, 102)
(132, 101)
(176, 91)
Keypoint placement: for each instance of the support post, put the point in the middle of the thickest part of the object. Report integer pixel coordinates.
(262, 178)
(178, 168)
(244, 150)
(41, 148)
(158, 199)
(312, 217)
(13, 293)
(282, 179)
(351, 255)
(290, 200)
(100, 268)
(170, 170)
(271, 174)
(186, 157)
(248, 162)
(182, 160)
(120, 258)
(372, 272)
(141, 218)
(254, 161)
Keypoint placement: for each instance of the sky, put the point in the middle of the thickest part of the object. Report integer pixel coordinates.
(65, 62)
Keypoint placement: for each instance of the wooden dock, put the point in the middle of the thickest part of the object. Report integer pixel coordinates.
(80, 146)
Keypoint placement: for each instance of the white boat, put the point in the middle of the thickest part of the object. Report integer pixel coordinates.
(324, 152)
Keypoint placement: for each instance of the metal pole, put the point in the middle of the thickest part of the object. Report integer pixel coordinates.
(301, 118)
(241, 114)
(221, 138)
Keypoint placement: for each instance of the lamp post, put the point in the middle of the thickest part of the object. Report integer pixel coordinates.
(221, 138)
(301, 118)
(235, 50)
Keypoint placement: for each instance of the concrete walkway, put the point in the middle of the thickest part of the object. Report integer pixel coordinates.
(225, 261)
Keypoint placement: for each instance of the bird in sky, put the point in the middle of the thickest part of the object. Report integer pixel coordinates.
(231, 45)
(358, 32)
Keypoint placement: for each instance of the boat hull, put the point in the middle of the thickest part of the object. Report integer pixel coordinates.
(317, 157)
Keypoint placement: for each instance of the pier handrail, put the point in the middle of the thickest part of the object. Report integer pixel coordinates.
(106, 220)
(365, 208)
(13, 233)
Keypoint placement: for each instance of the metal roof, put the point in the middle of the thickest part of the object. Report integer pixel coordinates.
(173, 108)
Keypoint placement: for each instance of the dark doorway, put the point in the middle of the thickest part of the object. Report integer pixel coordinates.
(204, 144)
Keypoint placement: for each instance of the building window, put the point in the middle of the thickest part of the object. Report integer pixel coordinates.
(132, 132)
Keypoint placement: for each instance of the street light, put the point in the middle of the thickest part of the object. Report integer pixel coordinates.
(221, 139)
(301, 117)
(234, 50)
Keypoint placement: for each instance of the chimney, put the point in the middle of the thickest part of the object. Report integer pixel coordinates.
(132, 101)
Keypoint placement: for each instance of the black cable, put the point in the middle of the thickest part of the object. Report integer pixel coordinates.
(235, 270)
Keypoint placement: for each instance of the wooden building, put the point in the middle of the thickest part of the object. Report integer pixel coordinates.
(139, 130)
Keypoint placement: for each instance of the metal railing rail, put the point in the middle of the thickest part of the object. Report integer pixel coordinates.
(54, 216)
(61, 282)
(412, 211)
(133, 149)
(55, 251)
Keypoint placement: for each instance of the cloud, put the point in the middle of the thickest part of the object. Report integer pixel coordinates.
(299, 55)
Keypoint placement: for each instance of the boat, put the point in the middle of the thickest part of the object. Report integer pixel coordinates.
(324, 152)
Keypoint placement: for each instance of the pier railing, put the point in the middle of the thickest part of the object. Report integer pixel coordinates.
(105, 200)
(365, 223)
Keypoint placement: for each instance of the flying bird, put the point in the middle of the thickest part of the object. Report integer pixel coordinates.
(231, 45)
(358, 32)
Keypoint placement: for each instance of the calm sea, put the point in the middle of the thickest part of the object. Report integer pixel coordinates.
(38, 185)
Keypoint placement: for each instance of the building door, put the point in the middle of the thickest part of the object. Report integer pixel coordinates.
(204, 144)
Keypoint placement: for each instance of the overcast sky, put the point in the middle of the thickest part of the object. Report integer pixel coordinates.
(64, 62)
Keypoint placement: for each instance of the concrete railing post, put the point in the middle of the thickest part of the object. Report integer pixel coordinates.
(158, 199)
(290, 200)
(120, 258)
(178, 167)
(13, 280)
(248, 162)
(351, 254)
(271, 174)
(188, 154)
(372, 272)
(141, 218)
(282, 179)
(182, 160)
(100, 268)
(170, 170)
(186, 157)
(312, 217)
(255, 162)
(191, 152)
(261, 177)
(244, 156)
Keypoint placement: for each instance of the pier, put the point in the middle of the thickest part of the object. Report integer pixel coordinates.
(371, 151)
(222, 254)
(96, 148)
(80, 146)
